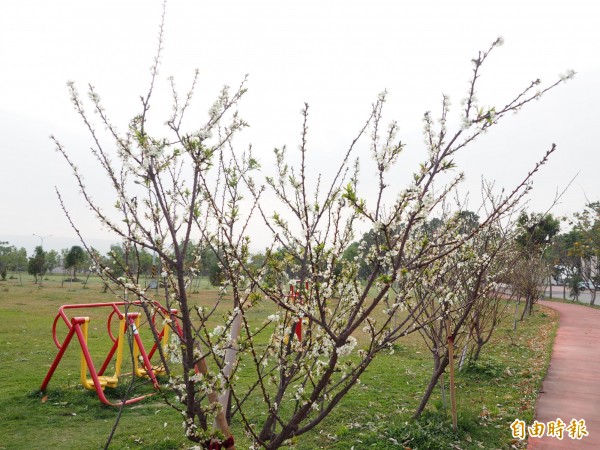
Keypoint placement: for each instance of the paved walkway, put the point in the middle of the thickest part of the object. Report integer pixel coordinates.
(571, 389)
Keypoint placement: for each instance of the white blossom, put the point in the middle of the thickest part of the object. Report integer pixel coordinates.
(347, 348)
(218, 331)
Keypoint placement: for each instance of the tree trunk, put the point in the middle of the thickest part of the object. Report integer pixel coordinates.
(220, 421)
(439, 366)
(478, 346)
(516, 312)
(524, 308)
(450, 350)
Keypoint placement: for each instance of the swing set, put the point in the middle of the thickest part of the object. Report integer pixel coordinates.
(98, 381)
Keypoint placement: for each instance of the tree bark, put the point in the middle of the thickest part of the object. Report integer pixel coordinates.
(527, 307)
(477, 351)
(516, 312)
(438, 369)
(220, 420)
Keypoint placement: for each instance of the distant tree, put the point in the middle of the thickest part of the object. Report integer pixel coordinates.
(63, 256)
(257, 261)
(115, 260)
(527, 279)
(18, 261)
(351, 252)
(586, 248)
(52, 260)
(469, 221)
(537, 230)
(75, 258)
(12, 259)
(212, 267)
(372, 239)
(536, 233)
(37, 264)
(5, 251)
(95, 255)
(87, 261)
(126, 259)
(432, 226)
(367, 242)
(144, 261)
(575, 287)
(562, 263)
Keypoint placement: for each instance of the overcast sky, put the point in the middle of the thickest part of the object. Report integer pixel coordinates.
(335, 55)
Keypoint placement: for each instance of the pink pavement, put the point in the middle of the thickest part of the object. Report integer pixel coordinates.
(571, 389)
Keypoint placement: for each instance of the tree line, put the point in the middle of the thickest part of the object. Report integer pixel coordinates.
(119, 259)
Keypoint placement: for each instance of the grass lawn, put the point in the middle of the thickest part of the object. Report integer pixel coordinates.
(376, 414)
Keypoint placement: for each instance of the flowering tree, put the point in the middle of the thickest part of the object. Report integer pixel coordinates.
(462, 291)
(194, 189)
(536, 231)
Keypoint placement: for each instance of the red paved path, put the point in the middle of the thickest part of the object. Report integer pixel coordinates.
(571, 389)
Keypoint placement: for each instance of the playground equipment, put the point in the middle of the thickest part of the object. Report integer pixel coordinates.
(79, 326)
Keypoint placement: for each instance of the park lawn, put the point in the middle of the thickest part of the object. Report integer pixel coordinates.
(376, 414)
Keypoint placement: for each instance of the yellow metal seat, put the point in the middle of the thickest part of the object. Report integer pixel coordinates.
(105, 380)
(89, 383)
(158, 369)
(111, 382)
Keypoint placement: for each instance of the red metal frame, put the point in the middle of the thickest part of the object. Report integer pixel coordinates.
(74, 326)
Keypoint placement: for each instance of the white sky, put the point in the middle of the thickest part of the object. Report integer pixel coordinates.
(335, 55)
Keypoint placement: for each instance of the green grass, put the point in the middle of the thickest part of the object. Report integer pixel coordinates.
(502, 386)
(376, 414)
(573, 302)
